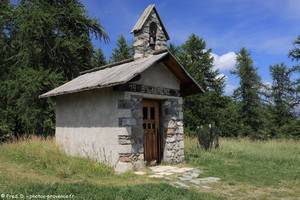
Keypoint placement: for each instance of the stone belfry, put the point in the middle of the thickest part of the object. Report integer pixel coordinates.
(149, 33)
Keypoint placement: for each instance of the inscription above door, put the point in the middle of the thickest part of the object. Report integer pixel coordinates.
(132, 87)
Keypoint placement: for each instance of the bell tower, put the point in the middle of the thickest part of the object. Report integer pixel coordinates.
(149, 33)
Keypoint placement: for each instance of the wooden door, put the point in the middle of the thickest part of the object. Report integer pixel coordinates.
(151, 131)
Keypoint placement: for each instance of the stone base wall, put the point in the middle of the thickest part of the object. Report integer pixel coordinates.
(134, 159)
(173, 129)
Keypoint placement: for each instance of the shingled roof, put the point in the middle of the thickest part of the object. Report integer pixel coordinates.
(143, 18)
(112, 75)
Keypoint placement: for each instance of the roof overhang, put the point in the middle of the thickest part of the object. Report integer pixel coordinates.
(188, 86)
(125, 72)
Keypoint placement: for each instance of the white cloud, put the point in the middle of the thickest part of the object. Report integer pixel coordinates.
(229, 89)
(224, 62)
(267, 84)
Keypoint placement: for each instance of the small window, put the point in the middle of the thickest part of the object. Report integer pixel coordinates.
(152, 35)
(145, 112)
(149, 125)
(144, 125)
(152, 113)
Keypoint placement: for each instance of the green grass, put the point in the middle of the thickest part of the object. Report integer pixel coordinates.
(91, 191)
(248, 165)
(46, 158)
(37, 166)
(248, 170)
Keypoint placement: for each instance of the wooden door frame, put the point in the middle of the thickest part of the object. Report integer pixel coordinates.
(159, 132)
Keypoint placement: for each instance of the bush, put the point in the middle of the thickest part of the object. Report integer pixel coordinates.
(208, 137)
(290, 130)
(5, 133)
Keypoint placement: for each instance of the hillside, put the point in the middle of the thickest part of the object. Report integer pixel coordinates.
(37, 166)
(248, 170)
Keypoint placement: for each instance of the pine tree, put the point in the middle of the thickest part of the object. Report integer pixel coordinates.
(5, 37)
(122, 52)
(282, 94)
(55, 35)
(173, 49)
(295, 53)
(284, 100)
(201, 109)
(45, 43)
(198, 61)
(98, 58)
(248, 94)
(6, 53)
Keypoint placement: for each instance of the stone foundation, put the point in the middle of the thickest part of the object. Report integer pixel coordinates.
(135, 158)
(173, 131)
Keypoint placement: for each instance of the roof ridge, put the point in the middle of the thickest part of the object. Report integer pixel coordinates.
(119, 62)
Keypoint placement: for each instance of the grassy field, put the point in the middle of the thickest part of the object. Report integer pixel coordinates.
(36, 166)
(248, 170)
(251, 170)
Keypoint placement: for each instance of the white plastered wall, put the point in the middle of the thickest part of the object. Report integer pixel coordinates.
(87, 125)
(159, 76)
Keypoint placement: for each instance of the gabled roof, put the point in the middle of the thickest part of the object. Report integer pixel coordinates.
(120, 74)
(143, 18)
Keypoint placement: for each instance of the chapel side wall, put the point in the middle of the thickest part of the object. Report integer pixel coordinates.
(88, 125)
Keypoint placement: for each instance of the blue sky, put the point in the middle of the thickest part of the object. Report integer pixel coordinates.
(267, 28)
